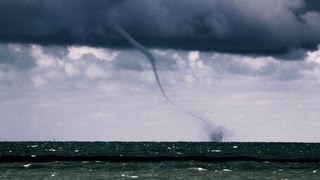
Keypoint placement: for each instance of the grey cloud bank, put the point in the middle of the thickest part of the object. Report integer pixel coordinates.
(266, 26)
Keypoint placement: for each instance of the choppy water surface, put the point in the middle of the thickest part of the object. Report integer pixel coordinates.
(159, 160)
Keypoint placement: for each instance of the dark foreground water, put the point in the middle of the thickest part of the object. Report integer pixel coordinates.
(176, 160)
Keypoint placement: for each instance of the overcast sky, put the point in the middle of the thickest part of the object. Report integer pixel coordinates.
(250, 68)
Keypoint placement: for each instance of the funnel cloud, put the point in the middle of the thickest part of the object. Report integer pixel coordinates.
(214, 134)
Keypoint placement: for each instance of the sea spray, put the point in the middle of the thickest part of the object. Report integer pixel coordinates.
(215, 134)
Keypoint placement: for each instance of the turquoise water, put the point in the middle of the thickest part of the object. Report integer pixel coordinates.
(141, 160)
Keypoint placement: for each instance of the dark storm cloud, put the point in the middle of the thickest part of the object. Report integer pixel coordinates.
(312, 5)
(229, 25)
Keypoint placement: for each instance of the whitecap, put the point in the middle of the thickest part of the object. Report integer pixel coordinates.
(26, 165)
(52, 150)
(226, 170)
(127, 176)
(216, 150)
(198, 169)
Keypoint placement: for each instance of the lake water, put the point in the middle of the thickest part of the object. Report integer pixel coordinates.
(159, 160)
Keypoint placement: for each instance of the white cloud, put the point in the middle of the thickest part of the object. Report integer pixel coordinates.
(313, 59)
(108, 87)
(314, 56)
(43, 60)
(147, 77)
(71, 70)
(15, 47)
(255, 63)
(189, 78)
(193, 55)
(39, 81)
(53, 75)
(255, 98)
(76, 53)
(93, 71)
